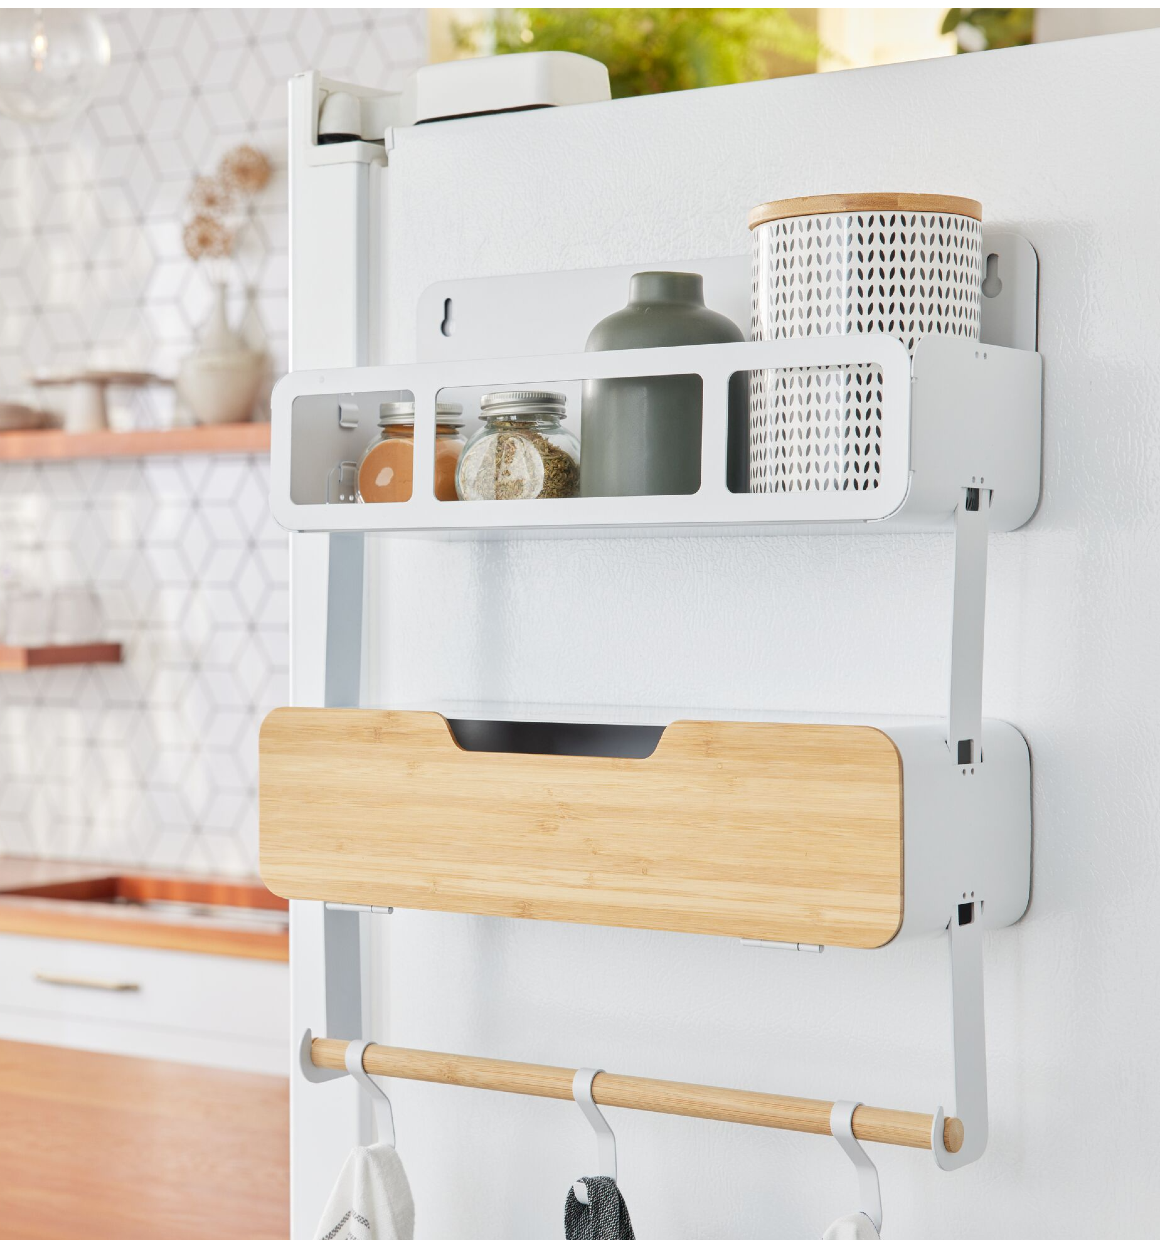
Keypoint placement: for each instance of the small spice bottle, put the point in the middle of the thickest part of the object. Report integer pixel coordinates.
(521, 451)
(386, 471)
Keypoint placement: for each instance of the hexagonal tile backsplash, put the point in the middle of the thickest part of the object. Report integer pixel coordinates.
(153, 761)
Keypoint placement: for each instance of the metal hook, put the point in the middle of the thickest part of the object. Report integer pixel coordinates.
(842, 1126)
(384, 1116)
(605, 1138)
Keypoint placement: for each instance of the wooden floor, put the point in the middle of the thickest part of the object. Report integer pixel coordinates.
(111, 1148)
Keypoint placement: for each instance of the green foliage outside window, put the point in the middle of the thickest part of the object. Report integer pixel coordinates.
(652, 50)
(985, 29)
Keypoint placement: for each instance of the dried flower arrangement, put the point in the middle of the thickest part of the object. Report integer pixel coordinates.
(220, 204)
(221, 380)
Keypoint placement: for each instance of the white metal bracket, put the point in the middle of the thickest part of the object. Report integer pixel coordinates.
(965, 935)
(965, 706)
(306, 1065)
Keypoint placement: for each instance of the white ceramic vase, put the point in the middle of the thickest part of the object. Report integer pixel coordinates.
(220, 380)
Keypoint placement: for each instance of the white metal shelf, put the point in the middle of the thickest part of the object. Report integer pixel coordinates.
(964, 415)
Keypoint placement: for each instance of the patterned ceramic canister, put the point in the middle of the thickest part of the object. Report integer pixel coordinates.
(904, 264)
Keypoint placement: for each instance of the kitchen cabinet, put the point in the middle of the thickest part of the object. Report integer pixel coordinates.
(143, 1056)
(166, 967)
(211, 1010)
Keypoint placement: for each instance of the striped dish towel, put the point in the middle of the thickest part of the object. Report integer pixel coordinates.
(372, 1199)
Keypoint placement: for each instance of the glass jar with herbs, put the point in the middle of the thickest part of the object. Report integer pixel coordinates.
(521, 451)
(386, 471)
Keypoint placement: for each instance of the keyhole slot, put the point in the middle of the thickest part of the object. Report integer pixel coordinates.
(447, 327)
(992, 285)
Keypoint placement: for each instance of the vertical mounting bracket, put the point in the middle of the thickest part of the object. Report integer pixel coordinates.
(965, 937)
(344, 620)
(344, 617)
(965, 706)
(326, 990)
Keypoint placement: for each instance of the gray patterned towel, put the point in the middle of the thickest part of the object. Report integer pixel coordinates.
(604, 1218)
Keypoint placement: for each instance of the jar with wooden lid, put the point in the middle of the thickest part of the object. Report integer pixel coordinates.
(908, 265)
(521, 451)
(386, 470)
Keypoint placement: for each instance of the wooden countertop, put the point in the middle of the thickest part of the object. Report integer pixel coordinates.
(111, 904)
(107, 1147)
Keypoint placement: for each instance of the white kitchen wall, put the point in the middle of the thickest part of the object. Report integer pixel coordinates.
(1058, 144)
(154, 761)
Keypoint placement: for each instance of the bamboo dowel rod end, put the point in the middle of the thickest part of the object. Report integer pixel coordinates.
(953, 1135)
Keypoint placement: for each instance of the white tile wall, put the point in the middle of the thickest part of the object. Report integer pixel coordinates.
(153, 761)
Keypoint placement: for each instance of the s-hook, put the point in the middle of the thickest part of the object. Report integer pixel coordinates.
(842, 1126)
(384, 1116)
(605, 1138)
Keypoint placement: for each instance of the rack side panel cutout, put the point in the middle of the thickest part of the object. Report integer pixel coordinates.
(791, 832)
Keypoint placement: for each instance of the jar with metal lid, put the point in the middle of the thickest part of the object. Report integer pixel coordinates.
(386, 470)
(521, 451)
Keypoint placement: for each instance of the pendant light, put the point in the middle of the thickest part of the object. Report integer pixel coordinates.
(51, 61)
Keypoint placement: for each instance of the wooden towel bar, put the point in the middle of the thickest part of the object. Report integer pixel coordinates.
(638, 1093)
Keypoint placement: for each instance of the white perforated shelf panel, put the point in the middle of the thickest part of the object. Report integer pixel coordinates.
(970, 417)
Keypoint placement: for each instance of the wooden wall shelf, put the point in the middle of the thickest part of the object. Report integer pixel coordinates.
(786, 832)
(24, 658)
(238, 437)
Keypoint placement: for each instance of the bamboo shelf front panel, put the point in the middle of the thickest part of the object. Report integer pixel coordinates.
(785, 832)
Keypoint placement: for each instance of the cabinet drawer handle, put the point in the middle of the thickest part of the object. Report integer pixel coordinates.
(84, 983)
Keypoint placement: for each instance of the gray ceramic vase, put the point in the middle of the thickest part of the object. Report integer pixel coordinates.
(643, 436)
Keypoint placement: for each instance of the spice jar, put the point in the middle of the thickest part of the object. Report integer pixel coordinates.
(386, 470)
(521, 451)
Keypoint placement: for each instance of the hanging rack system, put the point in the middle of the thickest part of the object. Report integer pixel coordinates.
(324, 1059)
(848, 834)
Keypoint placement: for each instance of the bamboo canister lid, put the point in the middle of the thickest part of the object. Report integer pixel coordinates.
(843, 204)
